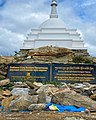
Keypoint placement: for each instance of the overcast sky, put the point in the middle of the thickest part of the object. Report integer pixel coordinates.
(17, 17)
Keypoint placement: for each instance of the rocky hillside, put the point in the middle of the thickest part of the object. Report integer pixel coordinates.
(51, 54)
(4, 61)
(45, 54)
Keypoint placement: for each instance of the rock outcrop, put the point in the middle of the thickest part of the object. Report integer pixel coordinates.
(45, 54)
(72, 98)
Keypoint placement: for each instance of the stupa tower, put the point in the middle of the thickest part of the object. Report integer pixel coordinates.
(54, 10)
(52, 32)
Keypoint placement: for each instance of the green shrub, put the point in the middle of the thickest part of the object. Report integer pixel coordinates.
(56, 83)
(78, 59)
(88, 60)
(82, 59)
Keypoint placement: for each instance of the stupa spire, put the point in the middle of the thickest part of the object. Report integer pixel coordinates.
(54, 10)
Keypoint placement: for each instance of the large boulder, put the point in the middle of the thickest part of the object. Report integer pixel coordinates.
(45, 93)
(38, 84)
(42, 97)
(4, 82)
(72, 98)
(2, 97)
(92, 87)
(32, 92)
(48, 99)
(31, 85)
(34, 99)
(20, 91)
(6, 92)
(6, 102)
(93, 97)
(47, 89)
(20, 85)
(23, 102)
(40, 106)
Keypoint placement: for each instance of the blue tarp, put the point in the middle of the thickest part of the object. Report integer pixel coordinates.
(69, 108)
(1, 108)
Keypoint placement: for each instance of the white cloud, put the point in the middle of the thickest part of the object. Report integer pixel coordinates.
(87, 25)
(9, 41)
(88, 3)
(16, 18)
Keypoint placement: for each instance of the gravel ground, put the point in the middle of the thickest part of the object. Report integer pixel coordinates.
(43, 115)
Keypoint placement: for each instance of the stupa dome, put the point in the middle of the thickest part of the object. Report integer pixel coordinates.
(52, 23)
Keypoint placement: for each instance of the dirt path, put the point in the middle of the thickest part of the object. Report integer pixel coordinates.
(47, 116)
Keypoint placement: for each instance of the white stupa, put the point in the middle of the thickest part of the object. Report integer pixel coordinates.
(52, 32)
